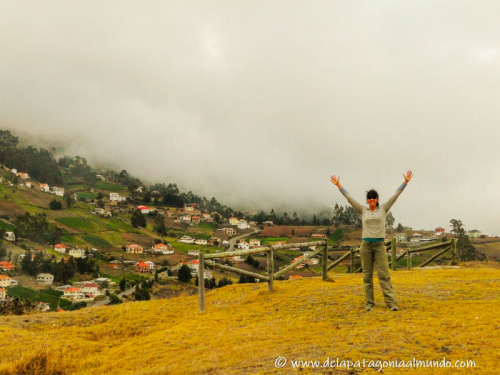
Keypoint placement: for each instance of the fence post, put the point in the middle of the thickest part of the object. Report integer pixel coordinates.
(408, 260)
(393, 254)
(270, 268)
(352, 261)
(453, 261)
(201, 280)
(325, 261)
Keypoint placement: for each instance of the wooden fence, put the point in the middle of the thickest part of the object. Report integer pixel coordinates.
(205, 259)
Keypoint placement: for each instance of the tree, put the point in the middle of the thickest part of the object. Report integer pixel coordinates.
(123, 284)
(138, 219)
(184, 274)
(159, 225)
(69, 200)
(465, 249)
(55, 205)
(114, 300)
(389, 220)
(400, 228)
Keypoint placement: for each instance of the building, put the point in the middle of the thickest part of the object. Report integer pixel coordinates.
(9, 236)
(439, 230)
(150, 264)
(58, 191)
(91, 290)
(59, 247)
(45, 279)
(185, 218)
(74, 293)
(141, 267)
(144, 209)
(4, 281)
(115, 197)
(254, 242)
(162, 248)
(474, 233)
(191, 206)
(99, 211)
(193, 252)
(3, 294)
(77, 253)
(400, 237)
(194, 265)
(44, 187)
(201, 241)
(186, 239)
(243, 245)
(319, 236)
(23, 175)
(6, 266)
(134, 249)
(229, 231)
(243, 224)
(233, 220)
(43, 306)
(195, 219)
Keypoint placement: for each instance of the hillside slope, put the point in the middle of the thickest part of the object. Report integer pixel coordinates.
(452, 313)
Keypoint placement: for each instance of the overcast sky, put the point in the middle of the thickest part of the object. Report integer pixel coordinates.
(257, 103)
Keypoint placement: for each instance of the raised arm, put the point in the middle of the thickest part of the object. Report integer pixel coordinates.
(336, 181)
(387, 205)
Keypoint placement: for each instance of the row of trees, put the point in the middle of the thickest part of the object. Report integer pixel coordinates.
(36, 228)
(62, 271)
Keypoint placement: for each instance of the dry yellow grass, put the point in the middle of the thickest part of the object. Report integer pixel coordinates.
(452, 313)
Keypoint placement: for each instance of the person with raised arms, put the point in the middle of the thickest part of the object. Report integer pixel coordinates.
(372, 248)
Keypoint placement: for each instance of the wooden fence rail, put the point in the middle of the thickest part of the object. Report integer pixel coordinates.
(391, 245)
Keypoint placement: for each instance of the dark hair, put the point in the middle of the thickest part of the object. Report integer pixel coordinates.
(372, 194)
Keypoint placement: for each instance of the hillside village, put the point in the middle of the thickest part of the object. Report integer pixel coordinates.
(102, 237)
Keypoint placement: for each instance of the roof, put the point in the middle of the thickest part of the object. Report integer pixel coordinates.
(4, 277)
(2, 290)
(73, 290)
(60, 245)
(142, 207)
(134, 245)
(194, 261)
(90, 285)
(141, 264)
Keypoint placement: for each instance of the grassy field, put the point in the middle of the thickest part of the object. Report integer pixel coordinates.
(450, 313)
(50, 296)
(110, 187)
(4, 225)
(96, 241)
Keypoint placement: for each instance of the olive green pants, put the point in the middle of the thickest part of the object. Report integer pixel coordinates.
(375, 253)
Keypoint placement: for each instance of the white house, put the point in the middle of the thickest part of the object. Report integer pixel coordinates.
(44, 187)
(91, 289)
(193, 252)
(74, 293)
(45, 278)
(3, 294)
(237, 258)
(59, 247)
(207, 275)
(14, 170)
(400, 237)
(115, 197)
(194, 265)
(43, 306)
(58, 191)
(233, 220)
(225, 243)
(162, 248)
(150, 264)
(185, 218)
(242, 224)
(24, 176)
(144, 209)
(229, 231)
(9, 236)
(186, 239)
(77, 253)
(243, 245)
(201, 241)
(99, 211)
(4, 280)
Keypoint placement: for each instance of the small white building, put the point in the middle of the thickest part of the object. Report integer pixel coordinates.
(237, 258)
(162, 248)
(186, 239)
(115, 197)
(24, 176)
(99, 211)
(60, 248)
(77, 253)
(201, 241)
(43, 306)
(193, 252)
(9, 236)
(3, 294)
(45, 279)
(150, 264)
(58, 191)
(91, 289)
(135, 249)
(243, 245)
(233, 220)
(14, 170)
(144, 209)
(44, 187)
(242, 224)
(400, 237)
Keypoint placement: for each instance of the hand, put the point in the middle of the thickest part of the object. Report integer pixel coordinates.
(336, 181)
(408, 177)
